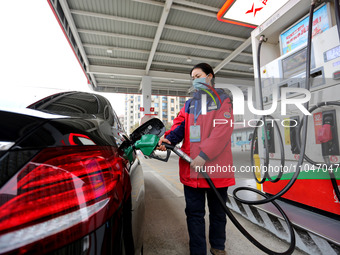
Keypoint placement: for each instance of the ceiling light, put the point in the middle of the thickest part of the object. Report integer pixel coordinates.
(189, 60)
(249, 13)
(112, 76)
(109, 51)
(172, 81)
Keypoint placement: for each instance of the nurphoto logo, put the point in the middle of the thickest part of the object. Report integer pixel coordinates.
(238, 108)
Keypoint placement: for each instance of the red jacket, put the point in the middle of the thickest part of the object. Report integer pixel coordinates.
(215, 142)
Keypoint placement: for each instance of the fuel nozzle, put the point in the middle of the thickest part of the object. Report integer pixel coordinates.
(147, 144)
(263, 38)
(324, 134)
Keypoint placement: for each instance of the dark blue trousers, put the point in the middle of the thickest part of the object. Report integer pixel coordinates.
(195, 212)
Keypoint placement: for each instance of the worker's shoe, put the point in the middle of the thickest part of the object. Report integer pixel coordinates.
(217, 252)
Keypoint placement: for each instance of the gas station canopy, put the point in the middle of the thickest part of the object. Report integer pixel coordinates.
(117, 42)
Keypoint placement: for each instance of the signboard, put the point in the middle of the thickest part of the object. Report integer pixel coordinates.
(141, 109)
(249, 13)
(297, 34)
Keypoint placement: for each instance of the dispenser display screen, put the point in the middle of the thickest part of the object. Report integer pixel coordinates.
(332, 54)
(294, 64)
(297, 34)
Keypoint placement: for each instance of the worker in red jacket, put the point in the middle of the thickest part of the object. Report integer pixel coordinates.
(208, 142)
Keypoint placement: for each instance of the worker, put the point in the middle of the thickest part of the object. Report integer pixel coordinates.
(209, 144)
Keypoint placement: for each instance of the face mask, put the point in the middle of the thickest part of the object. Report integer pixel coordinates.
(199, 83)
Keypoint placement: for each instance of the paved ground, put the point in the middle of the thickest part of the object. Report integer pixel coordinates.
(166, 231)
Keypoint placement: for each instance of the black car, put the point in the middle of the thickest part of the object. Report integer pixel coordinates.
(65, 185)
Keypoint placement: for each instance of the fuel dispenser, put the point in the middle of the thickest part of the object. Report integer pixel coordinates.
(282, 73)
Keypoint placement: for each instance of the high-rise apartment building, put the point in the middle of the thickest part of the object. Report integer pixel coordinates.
(166, 109)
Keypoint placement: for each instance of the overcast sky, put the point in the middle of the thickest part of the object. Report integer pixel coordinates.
(35, 57)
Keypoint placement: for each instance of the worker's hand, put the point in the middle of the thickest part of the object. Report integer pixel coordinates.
(198, 162)
(160, 146)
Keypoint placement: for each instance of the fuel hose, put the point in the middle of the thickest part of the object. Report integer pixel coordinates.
(237, 224)
(291, 182)
(267, 198)
(266, 162)
(305, 118)
(266, 175)
(263, 121)
(319, 105)
(330, 167)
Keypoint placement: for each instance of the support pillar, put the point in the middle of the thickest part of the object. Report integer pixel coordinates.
(146, 92)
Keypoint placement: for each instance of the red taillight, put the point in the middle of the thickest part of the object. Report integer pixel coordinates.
(62, 192)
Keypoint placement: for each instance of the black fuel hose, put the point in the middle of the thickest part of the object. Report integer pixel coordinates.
(293, 179)
(312, 109)
(266, 162)
(304, 138)
(266, 173)
(330, 167)
(237, 224)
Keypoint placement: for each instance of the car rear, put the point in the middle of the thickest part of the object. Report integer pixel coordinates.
(63, 185)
